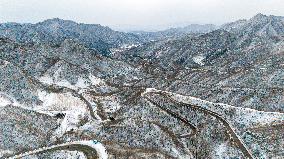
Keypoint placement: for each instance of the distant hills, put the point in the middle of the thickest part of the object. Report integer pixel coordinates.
(176, 32)
(93, 36)
(228, 37)
(57, 30)
(259, 25)
(233, 60)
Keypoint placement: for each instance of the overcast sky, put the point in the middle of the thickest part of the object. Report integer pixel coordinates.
(140, 14)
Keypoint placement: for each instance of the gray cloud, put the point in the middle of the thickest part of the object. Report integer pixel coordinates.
(137, 13)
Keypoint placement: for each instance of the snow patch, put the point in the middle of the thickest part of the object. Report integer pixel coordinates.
(60, 101)
(46, 79)
(4, 63)
(74, 108)
(82, 83)
(95, 80)
(5, 152)
(101, 150)
(4, 101)
(65, 83)
(199, 60)
(149, 90)
(7, 100)
(220, 150)
(71, 121)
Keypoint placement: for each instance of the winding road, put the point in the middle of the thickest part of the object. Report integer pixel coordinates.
(92, 149)
(246, 152)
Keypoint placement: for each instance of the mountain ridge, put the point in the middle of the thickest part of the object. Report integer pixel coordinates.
(56, 30)
(215, 95)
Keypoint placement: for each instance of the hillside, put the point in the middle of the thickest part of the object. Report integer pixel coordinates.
(241, 68)
(55, 31)
(175, 32)
(211, 95)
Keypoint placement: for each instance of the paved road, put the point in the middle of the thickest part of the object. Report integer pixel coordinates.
(232, 132)
(89, 148)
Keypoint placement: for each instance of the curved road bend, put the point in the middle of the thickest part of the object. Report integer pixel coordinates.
(89, 148)
(236, 138)
(177, 116)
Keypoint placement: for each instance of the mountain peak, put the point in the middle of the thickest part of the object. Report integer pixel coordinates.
(259, 18)
(56, 20)
(260, 25)
(259, 15)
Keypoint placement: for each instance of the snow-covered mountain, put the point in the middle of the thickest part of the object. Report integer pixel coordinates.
(178, 32)
(56, 30)
(211, 95)
(259, 25)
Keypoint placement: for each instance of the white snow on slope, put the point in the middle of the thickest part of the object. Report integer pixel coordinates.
(199, 60)
(59, 101)
(245, 116)
(74, 108)
(5, 152)
(81, 83)
(149, 90)
(49, 80)
(7, 100)
(221, 150)
(4, 63)
(46, 79)
(101, 150)
(95, 80)
(65, 83)
(71, 122)
(4, 101)
(179, 155)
